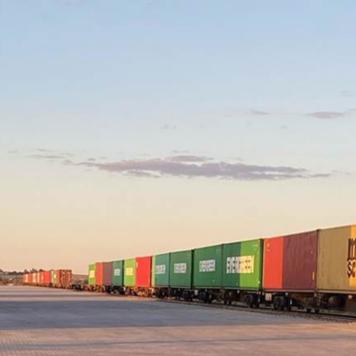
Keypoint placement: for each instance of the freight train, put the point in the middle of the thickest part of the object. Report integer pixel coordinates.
(310, 270)
(61, 278)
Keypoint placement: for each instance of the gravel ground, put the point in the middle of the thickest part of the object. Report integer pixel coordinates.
(41, 321)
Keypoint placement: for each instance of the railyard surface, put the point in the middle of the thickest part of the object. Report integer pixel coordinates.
(43, 321)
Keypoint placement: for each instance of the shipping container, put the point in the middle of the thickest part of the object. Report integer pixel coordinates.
(290, 262)
(47, 278)
(107, 273)
(130, 272)
(91, 275)
(41, 279)
(99, 273)
(337, 260)
(64, 278)
(117, 273)
(54, 278)
(242, 265)
(160, 270)
(207, 271)
(143, 272)
(153, 275)
(180, 270)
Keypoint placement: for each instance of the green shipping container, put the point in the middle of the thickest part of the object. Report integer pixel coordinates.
(161, 270)
(180, 269)
(91, 274)
(242, 265)
(207, 271)
(117, 278)
(130, 272)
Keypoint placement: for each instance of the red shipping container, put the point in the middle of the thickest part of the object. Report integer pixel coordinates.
(99, 273)
(290, 262)
(143, 272)
(273, 263)
(47, 278)
(64, 278)
(41, 281)
(107, 273)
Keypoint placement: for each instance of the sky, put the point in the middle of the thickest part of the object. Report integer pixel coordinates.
(130, 128)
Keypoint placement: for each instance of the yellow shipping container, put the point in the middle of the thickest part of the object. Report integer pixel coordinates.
(337, 259)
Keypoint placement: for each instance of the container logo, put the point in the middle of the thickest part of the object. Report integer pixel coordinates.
(91, 274)
(351, 258)
(117, 272)
(180, 268)
(160, 269)
(240, 264)
(129, 271)
(207, 266)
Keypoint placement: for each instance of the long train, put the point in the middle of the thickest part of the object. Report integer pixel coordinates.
(312, 270)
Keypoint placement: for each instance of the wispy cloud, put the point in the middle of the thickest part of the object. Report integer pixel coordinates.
(327, 114)
(188, 166)
(189, 158)
(46, 156)
(259, 112)
(160, 167)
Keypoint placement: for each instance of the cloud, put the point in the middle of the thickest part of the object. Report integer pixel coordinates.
(189, 158)
(187, 166)
(328, 114)
(46, 156)
(346, 93)
(259, 112)
(159, 167)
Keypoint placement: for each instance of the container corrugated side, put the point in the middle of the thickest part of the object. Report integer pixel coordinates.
(337, 259)
(107, 273)
(130, 272)
(181, 269)
(290, 262)
(207, 271)
(117, 273)
(143, 271)
(160, 269)
(242, 265)
(91, 274)
(99, 273)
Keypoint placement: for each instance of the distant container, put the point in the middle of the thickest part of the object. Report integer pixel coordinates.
(117, 279)
(160, 270)
(41, 279)
(207, 271)
(180, 271)
(143, 272)
(290, 262)
(64, 278)
(54, 278)
(130, 272)
(242, 265)
(99, 273)
(153, 275)
(91, 275)
(47, 278)
(107, 273)
(25, 278)
(337, 260)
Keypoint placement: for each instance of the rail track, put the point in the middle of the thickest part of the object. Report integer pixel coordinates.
(327, 315)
